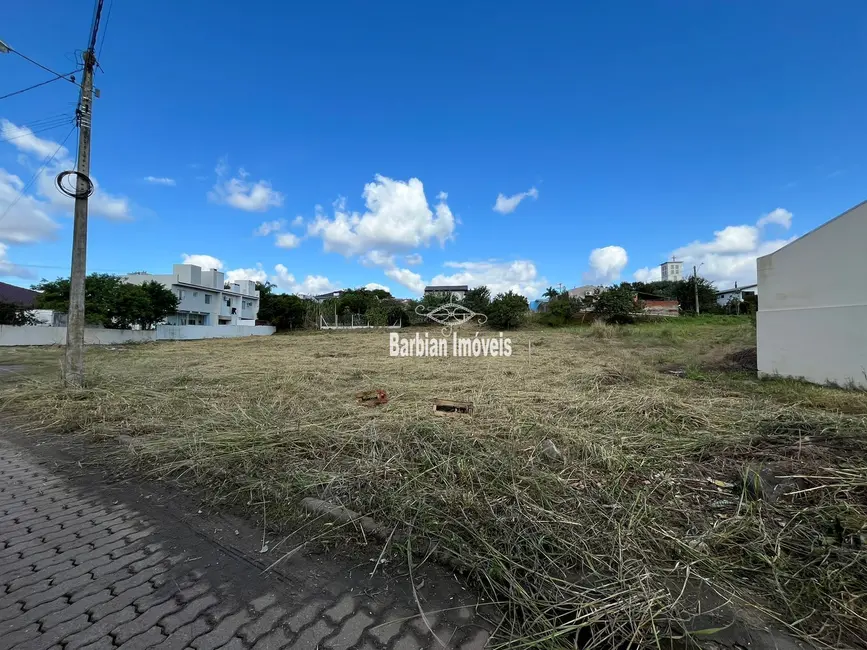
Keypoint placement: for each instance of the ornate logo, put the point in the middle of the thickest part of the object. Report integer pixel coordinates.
(450, 315)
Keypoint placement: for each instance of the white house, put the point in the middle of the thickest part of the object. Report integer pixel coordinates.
(812, 318)
(723, 297)
(203, 298)
(456, 291)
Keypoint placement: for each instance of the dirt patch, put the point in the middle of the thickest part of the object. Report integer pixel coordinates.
(741, 360)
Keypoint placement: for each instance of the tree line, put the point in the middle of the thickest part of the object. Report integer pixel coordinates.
(378, 307)
(621, 303)
(112, 302)
(109, 301)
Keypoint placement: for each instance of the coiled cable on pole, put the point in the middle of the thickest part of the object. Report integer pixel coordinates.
(74, 193)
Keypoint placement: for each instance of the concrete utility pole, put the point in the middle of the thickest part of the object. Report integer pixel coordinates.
(695, 286)
(74, 369)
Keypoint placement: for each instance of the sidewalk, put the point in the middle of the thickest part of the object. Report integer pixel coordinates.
(101, 566)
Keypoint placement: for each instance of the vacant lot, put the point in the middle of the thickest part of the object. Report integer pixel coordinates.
(680, 484)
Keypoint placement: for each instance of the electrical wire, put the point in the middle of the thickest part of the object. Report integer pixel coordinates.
(24, 90)
(36, 63)
(105, 29)
(41, 129)
(45, 121)
(36, 175)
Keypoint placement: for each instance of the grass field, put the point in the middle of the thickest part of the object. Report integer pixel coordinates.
(655, 512)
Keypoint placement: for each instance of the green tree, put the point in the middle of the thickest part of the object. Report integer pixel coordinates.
(551, 293)
(508, 311)
(477, 299)
(110, 301)
(12, 314)
(706, 295)
(160, 303)
(617, 304)
(283, 310)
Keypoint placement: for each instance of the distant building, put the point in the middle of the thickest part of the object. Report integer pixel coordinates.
(26, 298)
(672, 271)
(14, 295)
(741, 293)
(204, 297)
(585, 290)
(322, 297)
(812, 314)
(456, 291)
(654, 305)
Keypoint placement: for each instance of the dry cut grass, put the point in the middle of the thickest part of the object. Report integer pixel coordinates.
(641, 532)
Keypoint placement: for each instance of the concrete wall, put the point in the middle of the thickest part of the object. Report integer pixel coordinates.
(812, 319)
(39, 335)
(191, 332)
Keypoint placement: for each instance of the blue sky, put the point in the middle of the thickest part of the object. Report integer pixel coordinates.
(374, 141)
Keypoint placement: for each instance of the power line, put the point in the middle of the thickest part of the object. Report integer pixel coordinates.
(45, 121)
(105, 29)
(36, 63)
(24, 90)
(94, 29)
(35, 176)
(40, 129)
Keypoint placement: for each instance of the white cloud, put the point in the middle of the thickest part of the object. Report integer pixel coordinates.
(23, 139)
(729, 240)
(101, 203)
(780, 216)
(207, 262)
(648, 274)
(267, 227)
(311, 285)
(160, 180)
(606, 264)
(413, 260)
(288, 240)
(407, 278)
(28, 220)
(726, 269)
(8, 268)
(298, 221)
(508, 204)
(519, 276)
(731, 255)
(257, 274)
(397, 219)
(377, 258)
(242, 194)
(372, 286)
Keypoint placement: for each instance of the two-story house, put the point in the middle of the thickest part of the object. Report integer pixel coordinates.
(205, 297)
(455, 292)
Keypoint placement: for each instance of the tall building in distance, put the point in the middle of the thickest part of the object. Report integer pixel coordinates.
(672, 271)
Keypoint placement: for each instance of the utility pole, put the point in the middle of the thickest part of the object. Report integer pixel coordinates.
(74, 369)
(695, 286)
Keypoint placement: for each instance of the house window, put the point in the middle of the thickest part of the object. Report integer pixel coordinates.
(195, 294)
(207, 299)
(228, 302)
(182, 294)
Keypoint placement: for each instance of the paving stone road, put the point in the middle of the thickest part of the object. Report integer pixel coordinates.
(81, 568)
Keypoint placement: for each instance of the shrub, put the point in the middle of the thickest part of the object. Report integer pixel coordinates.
(617, 305)
(508, 311)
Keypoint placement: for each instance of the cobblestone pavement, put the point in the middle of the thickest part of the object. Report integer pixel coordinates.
(81, 568)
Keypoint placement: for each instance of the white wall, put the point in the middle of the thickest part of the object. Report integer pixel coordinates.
(822, 345)
(39, 335)
(812, 319)
(191, 332)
